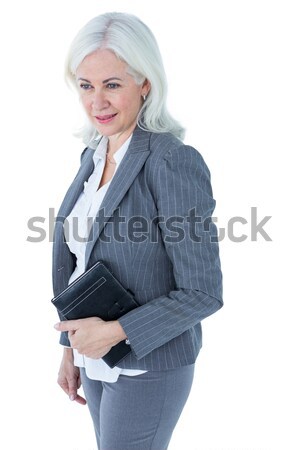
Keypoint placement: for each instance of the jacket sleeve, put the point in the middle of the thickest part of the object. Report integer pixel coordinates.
(182, 191)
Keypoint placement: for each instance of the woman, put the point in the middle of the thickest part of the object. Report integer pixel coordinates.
(141, 202)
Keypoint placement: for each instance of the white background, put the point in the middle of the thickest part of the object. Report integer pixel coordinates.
(233, 70)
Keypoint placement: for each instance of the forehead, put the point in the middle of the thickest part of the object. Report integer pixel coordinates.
(101, 63)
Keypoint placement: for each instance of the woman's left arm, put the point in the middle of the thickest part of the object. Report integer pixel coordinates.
(183, 196)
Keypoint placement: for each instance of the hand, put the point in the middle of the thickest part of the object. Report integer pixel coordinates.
(69, 377)
(92, 337)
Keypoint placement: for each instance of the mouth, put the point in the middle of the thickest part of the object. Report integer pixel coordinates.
(106, 118)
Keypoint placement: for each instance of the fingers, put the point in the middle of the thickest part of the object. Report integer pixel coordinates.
(70, 388)
(79, 399)
(69, 380)
(73, 396)
(64, 385)
(67, 325)
(73, 325)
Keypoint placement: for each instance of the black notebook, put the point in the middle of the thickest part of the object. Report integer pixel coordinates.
(97, 293)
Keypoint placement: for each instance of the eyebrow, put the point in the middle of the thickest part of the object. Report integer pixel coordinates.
(104, 81)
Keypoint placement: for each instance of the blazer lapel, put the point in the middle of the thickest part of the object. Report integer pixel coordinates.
(133, 161)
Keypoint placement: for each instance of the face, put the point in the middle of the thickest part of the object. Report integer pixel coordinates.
(110, 96)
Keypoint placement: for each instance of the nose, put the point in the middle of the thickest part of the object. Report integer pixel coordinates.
(99, 101)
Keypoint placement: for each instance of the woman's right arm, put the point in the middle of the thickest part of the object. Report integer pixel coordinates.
(69, 376)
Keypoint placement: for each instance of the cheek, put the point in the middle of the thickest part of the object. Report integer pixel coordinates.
(131, 105)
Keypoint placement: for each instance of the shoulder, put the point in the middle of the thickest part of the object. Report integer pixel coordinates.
(167, 148)
(163, 144)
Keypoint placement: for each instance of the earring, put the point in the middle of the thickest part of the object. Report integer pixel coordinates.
(144, 97)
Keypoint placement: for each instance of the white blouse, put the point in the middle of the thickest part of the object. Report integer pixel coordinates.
(77, 227)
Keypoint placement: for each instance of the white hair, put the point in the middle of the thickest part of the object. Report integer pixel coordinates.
(134, 43)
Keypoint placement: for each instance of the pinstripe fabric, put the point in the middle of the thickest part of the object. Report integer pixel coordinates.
(177, 284)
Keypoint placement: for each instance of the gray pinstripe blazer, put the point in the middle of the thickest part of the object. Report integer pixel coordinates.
(169, 260)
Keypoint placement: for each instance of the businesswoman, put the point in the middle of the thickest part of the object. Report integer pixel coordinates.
(142, 203)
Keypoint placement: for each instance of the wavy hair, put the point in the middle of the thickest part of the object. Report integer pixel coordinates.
(134, 43)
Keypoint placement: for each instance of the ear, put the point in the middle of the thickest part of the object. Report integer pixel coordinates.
(146, 87)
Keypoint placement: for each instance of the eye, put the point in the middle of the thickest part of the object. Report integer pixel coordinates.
(112, 85)
(85, 86)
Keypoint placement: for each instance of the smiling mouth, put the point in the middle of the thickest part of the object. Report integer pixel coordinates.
(105, 119)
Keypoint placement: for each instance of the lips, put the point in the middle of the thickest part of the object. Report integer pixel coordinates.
(106, 118)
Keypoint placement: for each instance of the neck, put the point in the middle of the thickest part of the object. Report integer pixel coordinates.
(116, 141)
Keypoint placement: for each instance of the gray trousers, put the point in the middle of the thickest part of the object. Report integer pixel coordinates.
(140, 412)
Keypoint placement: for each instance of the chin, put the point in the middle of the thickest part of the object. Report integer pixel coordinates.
(104, 131)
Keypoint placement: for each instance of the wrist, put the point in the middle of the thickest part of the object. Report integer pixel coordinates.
(68, 353)
(117, 332)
